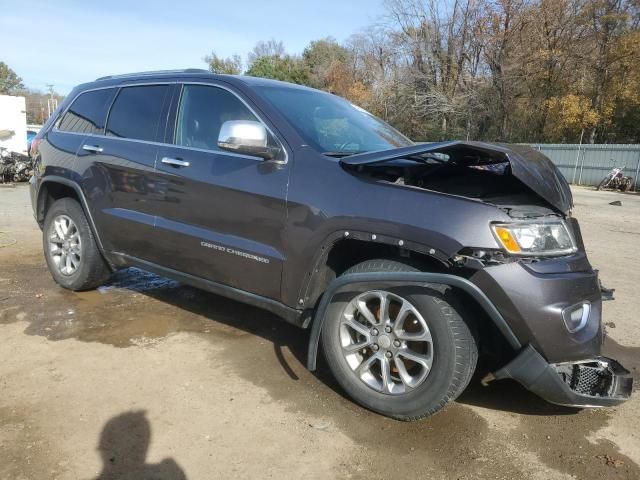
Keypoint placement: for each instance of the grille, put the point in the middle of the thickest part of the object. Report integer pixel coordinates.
(589, 380)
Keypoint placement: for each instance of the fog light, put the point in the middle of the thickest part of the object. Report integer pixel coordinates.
(576, 317)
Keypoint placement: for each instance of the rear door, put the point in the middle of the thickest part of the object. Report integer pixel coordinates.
(120, 167)
(223, 213)
(85, 116)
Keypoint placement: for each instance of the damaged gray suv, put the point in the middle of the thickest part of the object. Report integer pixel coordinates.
(406, 261)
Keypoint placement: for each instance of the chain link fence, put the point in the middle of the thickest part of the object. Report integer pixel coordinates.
(588, 164)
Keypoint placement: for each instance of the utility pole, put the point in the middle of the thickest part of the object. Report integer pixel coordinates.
(52, 102)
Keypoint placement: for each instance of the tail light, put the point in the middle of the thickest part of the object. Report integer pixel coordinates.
(35, 143)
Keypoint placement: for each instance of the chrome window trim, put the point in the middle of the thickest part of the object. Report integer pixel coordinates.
(161, 144)
(182, 83)
(224, 152)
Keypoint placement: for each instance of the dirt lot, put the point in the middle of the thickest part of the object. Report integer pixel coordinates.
(157, 380)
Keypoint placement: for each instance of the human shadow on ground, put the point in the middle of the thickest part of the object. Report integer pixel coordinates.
(124, 443)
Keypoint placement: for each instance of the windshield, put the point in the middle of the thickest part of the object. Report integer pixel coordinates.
(331, 124)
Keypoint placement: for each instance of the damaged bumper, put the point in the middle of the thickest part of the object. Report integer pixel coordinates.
(532, 299)
(596, 382)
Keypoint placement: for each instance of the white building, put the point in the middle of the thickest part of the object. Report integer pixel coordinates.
(13, 124)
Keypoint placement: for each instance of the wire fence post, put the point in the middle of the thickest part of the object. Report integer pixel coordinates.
(584, 152)
(635, 181)
(573, 180)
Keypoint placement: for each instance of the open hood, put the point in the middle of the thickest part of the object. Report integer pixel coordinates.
(526, 164)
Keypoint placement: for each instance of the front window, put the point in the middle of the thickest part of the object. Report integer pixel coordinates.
(202, 112)
(331, 124)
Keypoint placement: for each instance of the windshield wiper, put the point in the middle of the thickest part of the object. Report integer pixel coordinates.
(339, 154)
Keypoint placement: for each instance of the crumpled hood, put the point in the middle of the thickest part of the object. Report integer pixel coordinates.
(529, 166)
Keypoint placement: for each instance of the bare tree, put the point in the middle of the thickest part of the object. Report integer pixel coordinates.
(270, 48)
(438, 46)
(509, 70)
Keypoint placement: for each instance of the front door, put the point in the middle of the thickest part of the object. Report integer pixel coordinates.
(222, 214)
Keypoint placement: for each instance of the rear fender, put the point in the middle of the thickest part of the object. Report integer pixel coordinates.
(40, 205)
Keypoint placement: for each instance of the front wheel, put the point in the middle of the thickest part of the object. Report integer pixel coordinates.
(404, 352)
(604, 182)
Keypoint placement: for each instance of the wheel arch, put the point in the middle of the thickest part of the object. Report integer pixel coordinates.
(342, 250)
(362, 281)
(53, 188)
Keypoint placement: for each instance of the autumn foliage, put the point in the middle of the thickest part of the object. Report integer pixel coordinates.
(498, 70)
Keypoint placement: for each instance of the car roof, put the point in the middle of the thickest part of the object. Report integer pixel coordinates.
(185, 74)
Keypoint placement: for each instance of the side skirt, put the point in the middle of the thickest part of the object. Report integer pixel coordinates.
(288, 314)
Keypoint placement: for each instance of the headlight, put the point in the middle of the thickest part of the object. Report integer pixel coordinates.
(535, 239)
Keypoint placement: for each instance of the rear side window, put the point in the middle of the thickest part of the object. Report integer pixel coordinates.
(88, 112)
(136, 113)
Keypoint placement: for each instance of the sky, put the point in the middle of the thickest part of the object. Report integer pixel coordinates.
(64, 42)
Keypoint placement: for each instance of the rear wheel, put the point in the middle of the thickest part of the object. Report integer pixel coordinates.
(405, 351)
(70, 250)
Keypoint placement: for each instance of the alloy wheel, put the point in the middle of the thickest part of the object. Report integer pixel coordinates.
(386, 342)
(65, 245)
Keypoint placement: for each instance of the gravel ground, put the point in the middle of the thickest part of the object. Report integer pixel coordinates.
(147, 378)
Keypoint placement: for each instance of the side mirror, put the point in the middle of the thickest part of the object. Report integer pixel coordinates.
(246, 137)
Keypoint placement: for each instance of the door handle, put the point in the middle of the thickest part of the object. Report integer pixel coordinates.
(92, 148)
(175, 162)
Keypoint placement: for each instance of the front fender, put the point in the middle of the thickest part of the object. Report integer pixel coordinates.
(366, 281)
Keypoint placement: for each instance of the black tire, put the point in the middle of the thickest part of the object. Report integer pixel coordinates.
(92, 269)
(455, 349)
(603, 182)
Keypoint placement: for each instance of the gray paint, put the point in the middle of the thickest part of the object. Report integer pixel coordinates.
(153, 215)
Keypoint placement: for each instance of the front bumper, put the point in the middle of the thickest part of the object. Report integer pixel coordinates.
(596, 382)
(531, 299)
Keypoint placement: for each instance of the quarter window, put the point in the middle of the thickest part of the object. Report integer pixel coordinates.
(203, 110)
(88, 112)
(137, 112)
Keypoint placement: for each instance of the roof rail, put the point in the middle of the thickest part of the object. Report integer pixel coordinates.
(156, 72)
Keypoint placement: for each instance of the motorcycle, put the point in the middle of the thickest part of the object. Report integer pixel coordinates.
(616, 180)
(22, 170)
(13, 167)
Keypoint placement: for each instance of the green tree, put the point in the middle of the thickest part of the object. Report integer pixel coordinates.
(230, 65)
(285, 68)
(321, 58)
(10, 82)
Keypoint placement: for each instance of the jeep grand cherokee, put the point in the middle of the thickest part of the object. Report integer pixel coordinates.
(407, 261)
